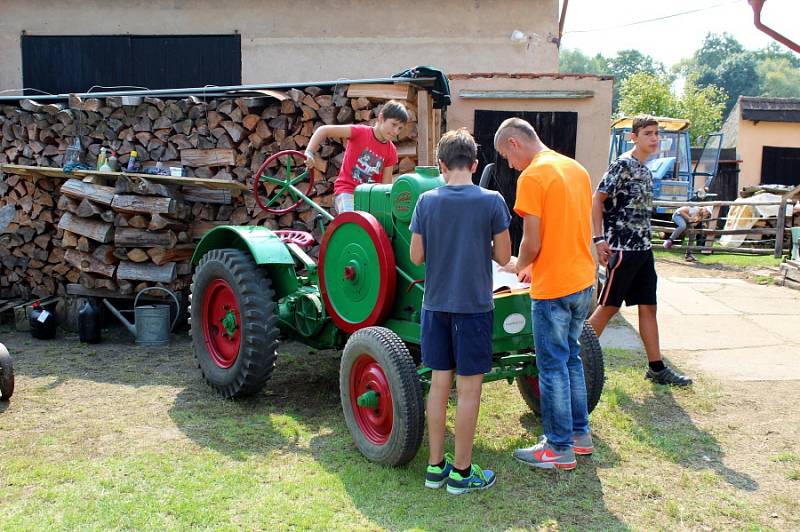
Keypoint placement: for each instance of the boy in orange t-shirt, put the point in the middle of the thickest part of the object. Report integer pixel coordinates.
(554, 197)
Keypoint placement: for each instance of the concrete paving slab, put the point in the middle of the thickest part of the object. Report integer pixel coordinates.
(621, 337)
(784, 327)
(682, 298)
(711, 332)
(749, 305)
(749, 364)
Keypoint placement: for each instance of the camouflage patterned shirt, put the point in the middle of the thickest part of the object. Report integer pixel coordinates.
(627, 209)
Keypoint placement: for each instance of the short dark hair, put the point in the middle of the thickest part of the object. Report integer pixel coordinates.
(457, 149)
(640, 121)
(394, 109)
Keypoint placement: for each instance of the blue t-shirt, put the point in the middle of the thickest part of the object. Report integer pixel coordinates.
(457, 224)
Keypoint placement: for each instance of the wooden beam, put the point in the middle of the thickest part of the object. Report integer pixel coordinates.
(148, 204)
(142, 238)
(424, 154)
(395, 91)
(75, 188)
(146, 272)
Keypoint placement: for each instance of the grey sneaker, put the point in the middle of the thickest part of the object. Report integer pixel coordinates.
(545, 456)
(668, 376)
(582, 443)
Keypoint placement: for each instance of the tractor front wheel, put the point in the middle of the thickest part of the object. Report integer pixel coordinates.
(6, 374)
(593, 373)
(233, 322)
(381, 396)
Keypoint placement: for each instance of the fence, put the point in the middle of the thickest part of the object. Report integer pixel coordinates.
(778, 242)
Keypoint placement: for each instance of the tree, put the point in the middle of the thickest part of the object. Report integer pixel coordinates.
(576, 62)
(630, 62)
(647, 93)
(779, 78)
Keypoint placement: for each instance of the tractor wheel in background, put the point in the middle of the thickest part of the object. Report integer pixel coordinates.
(593, 372)
(378, 372)
(233, 322)
(6, 374)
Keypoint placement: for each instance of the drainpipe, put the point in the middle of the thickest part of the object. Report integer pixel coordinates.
(561, 22)
(757, 5)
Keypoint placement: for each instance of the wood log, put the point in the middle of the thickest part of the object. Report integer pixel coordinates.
(96, 230)
(131, 237)
(137, 255)
(206, 195)
(214, 157)
(138, 221)
(88, 208)
(87, 263)
(179, 253)
(82, 190)
(105, 254)
(146, 272)
(144, 204)
(158, 222)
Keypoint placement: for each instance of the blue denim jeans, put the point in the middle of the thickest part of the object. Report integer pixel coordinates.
(557, 326)
(680, 227)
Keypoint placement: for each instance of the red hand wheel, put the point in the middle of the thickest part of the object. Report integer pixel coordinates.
(279, 187)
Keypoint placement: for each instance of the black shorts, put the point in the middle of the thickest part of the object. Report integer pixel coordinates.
(630, 277)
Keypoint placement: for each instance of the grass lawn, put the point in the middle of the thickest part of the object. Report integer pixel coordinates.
(722, 259)
(117, 436)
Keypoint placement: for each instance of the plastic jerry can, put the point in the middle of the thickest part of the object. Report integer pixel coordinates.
(89, 323)
(42, 322)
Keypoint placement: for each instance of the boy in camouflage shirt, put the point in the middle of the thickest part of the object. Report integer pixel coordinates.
(621, 209)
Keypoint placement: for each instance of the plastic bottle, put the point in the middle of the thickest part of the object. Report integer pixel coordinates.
(89, 323)
(113, 162)
(72, 156)
(133, 163)
(101, 159)
(42, 322)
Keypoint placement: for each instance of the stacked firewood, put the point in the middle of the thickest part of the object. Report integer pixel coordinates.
(125, 234)
(31, 259)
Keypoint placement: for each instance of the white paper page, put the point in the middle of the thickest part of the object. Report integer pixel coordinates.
(502, 279)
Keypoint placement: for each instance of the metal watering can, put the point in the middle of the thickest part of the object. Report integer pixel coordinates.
(151, 326)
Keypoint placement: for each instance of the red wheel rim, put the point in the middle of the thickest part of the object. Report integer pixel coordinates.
(219, 308)
(375, 423)
(533, 384)
(263, 168)
(386, 264)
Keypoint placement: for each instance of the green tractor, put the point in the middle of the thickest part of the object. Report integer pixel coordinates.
(253, 286)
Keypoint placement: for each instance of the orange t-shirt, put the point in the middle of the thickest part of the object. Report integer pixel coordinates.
(558, 190)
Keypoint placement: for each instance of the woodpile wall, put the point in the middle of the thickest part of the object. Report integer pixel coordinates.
(124, 234)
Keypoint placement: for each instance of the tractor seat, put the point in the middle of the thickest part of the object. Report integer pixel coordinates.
(304, 239)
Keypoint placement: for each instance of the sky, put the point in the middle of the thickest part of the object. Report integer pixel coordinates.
(671, 39)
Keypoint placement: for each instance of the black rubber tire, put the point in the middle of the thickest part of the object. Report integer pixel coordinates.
(6, 374)
(593, 373)
(395, 361)
(259, 331)
(487, 175)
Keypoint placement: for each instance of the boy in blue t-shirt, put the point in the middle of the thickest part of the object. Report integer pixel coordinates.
(457, 230)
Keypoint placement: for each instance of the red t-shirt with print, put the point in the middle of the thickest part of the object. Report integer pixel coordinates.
(365, 158)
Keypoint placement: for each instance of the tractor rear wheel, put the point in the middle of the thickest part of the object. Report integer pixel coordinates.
(381, 396)
(6, 374)
(593, 373)
(233, 322)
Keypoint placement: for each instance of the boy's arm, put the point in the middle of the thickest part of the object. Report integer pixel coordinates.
(387, 175)
(603, 250)
(319, 136)
(501, 247)
(418, 251)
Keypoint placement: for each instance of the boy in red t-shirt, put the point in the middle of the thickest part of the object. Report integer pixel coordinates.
(369, 155)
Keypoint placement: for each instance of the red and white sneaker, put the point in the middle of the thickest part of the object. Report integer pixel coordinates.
(582, 444)
(545, 456)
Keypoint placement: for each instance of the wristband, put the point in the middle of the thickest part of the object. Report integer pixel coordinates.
(598, 239)
(308, 153)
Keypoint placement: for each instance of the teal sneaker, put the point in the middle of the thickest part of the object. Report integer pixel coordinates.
(436, 477)
(479, 479)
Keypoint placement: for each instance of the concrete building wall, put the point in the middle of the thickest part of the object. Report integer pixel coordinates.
(594, 112)
(753, 136)
(290, 41)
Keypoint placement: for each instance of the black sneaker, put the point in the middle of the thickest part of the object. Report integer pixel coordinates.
(668, 376)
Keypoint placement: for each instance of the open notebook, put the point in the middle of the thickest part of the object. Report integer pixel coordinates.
(505, 281)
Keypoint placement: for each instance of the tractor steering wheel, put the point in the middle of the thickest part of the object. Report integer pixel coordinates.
(278, 187)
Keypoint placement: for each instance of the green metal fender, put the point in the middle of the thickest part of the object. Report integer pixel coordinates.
(265, 247)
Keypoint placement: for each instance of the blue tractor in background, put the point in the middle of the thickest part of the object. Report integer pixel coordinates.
(674, 179)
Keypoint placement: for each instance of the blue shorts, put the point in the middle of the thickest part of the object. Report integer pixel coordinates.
(457, 341)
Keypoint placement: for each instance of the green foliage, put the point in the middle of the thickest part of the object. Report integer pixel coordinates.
(780, 77)
(576, 62)
(647, 93)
